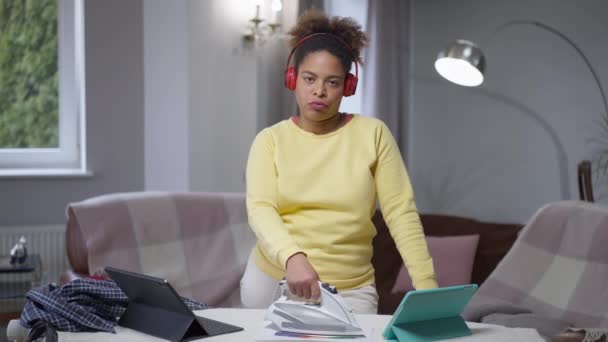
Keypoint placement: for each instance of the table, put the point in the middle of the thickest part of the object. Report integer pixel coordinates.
(252, 319)
(15, 282)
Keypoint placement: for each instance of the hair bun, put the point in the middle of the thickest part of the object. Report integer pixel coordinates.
(347, 29)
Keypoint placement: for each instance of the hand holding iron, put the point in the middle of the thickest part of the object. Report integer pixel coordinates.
(302, 278)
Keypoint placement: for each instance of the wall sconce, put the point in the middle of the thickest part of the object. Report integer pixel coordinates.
(258, 29)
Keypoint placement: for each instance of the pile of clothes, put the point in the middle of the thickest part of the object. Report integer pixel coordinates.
(80, 305)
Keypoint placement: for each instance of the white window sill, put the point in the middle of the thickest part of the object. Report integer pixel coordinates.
(45, 173)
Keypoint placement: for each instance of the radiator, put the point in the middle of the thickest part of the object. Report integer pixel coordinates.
(48, 241)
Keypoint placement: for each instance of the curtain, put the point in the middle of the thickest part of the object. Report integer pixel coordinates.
(386, 77)
(304, 5)
(275, 102)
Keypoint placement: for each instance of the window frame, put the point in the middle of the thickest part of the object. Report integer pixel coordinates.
(70, 156)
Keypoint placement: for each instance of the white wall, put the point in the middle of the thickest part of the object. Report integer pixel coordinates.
(167, 94)
(496, 152)
(223, 97)
(201, 94)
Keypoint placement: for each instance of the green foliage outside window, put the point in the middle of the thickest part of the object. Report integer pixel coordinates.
(29, 103)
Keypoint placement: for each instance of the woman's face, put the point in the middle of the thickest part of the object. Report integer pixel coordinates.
(319, 86)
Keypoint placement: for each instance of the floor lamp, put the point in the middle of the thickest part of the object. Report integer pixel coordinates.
(463, 63)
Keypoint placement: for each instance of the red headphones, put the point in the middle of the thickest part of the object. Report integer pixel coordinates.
(350, 83)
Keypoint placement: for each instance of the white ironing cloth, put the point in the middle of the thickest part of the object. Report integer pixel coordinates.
(252, 320)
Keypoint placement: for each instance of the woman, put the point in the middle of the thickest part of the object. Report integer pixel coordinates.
(313, 181)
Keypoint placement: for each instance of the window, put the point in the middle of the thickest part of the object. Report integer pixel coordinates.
(356, 9)
(41, 87)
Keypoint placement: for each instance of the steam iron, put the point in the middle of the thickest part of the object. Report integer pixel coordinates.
(331, 316)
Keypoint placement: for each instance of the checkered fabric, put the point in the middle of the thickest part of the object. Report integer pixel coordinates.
(558, 267)
(198, 241)
(80, 305)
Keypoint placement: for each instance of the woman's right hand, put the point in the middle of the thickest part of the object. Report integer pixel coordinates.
(302, 279)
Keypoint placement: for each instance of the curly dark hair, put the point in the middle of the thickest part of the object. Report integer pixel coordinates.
(340, 31)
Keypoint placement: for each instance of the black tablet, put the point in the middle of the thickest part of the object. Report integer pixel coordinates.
(155, 308)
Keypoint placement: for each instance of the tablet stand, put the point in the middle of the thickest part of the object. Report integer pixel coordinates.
(431, 330)
(162, 323)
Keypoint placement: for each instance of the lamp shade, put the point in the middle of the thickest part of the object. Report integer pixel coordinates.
(462, 62)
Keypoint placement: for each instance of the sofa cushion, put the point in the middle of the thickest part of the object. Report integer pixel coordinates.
(453, 258)
(495, 240)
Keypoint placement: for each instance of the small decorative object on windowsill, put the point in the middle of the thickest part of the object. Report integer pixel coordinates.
(17, 260)
(19, 252)
(258, 31)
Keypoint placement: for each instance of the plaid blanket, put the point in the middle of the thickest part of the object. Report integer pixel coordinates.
(200, 242)
(557, 269)
(80, 305)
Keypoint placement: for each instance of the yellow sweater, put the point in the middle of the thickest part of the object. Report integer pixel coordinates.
(316, 194)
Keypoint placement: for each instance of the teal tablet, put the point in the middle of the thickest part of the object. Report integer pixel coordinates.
(430, 315)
